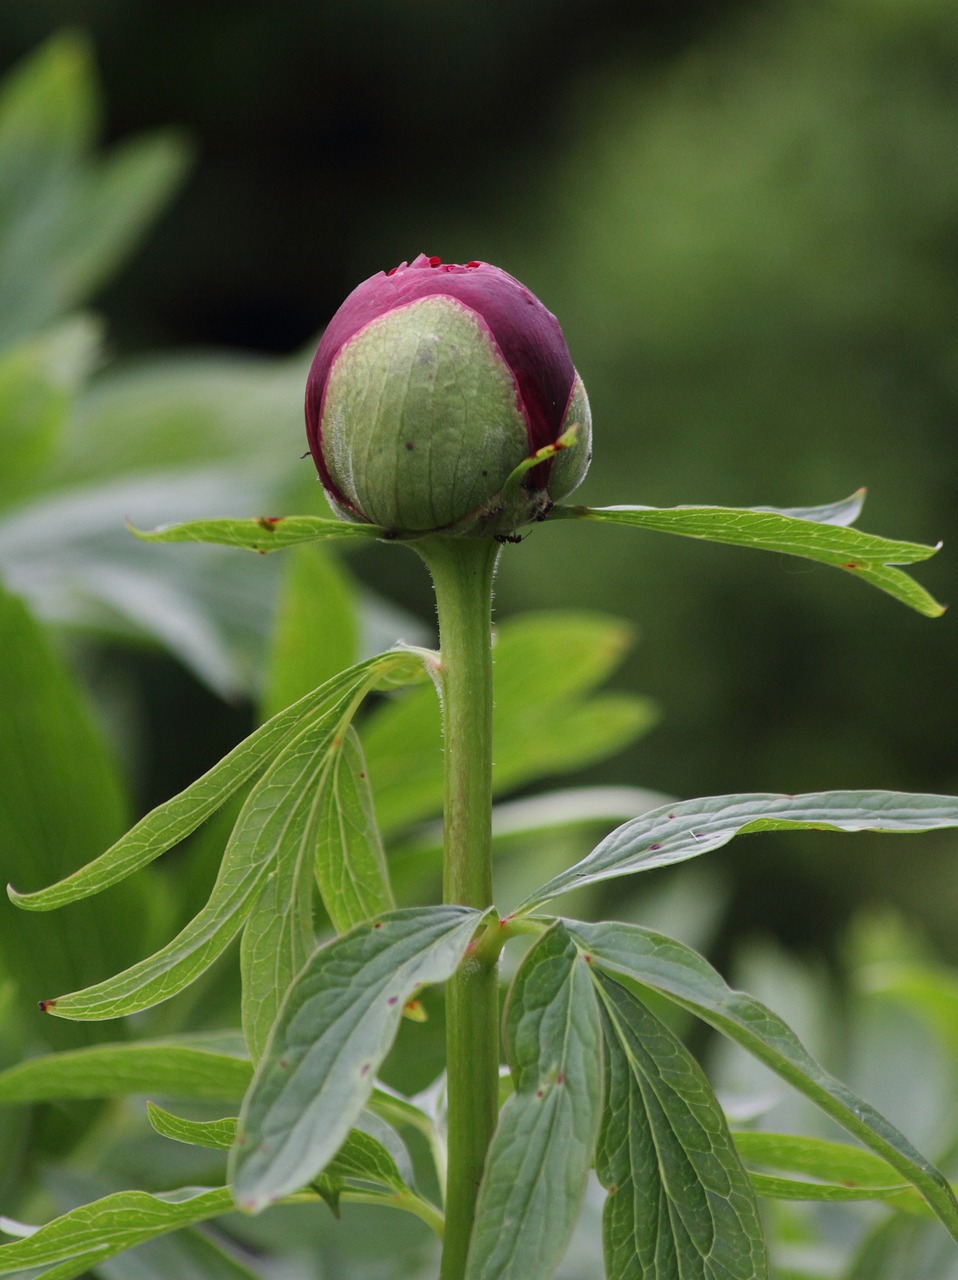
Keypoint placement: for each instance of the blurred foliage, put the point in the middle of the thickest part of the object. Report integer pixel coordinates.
(744, 216)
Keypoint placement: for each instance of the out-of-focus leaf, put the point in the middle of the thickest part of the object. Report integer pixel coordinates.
(183, 1067)
(335, 1028)
(314, 631)
(542, 1149)
(61, 799)
(863, 554)
(633, 954)
(690, 828)
(829, 1170)
(37, 379)
(679, 1202)
(350, 860)
(544, 668)
(67, 220)
(905, 1247)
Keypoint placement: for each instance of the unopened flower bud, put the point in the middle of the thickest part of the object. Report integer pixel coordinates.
(430, 389)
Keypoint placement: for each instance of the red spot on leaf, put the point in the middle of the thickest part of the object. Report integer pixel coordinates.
(269, 522)
(364, 1069)
(671, 817)
(560, 1078)
(46, 1005)
(539, 1093)
(654, 846)
(393, 1000)
(851, 565)
(378, 924)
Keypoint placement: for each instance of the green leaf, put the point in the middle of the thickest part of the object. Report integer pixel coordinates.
(905, 1247)
(350, 859)
(314, 632)
(334, 1030)
(214, 1135)
(172, 821)
(72, 1244)
(271, 831)
(634, 954)
(863, 554)
(545, 668)
(680, 1202)
(60, 801)
(185, 1067)
(539, 1160)
(263, 533)
(832, 1170)
(677, 832)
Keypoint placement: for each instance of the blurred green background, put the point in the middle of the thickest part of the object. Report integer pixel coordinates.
(745, 216)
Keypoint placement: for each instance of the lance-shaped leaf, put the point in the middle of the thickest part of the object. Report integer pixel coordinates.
(676, 832)
(334, 1030)
(796, 532)
(350, 859)
(263, 533)
(175, 819)
(828, 1170)
(542, 1149)
(272, 820)
(680, 1202)
(638, 955)
(86, 1237)
(185, 1067)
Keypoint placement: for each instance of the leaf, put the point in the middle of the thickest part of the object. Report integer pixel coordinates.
(864, 554)
(539, 1160)
(271, 825)
(186, 1067)
(350, 859)
(172, 821)
(546, 666)
(634, 954)
(264, 533)
(60, 801)
(72, 1244)
(677, 832)
(214, 1135)
(905, 1247)
(832, 1170)
(334, 1030)
(680, 1202)
(314, 633)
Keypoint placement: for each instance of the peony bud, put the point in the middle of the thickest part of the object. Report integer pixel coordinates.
(431, 387)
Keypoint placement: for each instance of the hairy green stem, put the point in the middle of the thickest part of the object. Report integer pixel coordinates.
(462, 571)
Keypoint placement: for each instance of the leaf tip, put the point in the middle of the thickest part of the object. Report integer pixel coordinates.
(47, 1006)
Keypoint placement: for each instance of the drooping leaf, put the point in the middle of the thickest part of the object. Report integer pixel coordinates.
(542, 1149)
(184, 1067)
(215, 1135)
(263, 533)
(636, 955)
(334, 1030)
(172, 821)
(863, 554)
(72, 1244)
(270, 827)
(679, 1201)
(350, 859)
(676, 832)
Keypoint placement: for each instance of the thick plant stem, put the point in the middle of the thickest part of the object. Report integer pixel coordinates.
(462, 571)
